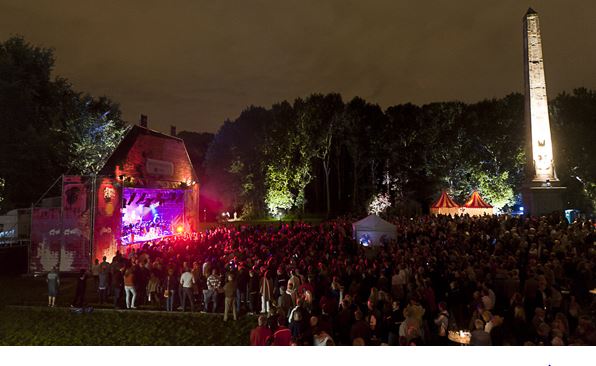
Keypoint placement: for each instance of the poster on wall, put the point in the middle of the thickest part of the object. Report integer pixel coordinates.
(107, 219)
(76, 226)
(45, 238)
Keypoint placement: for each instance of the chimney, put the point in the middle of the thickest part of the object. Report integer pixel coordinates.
(173, 130)
(143, 122)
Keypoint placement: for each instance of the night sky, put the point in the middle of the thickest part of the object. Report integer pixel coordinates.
(194, 63)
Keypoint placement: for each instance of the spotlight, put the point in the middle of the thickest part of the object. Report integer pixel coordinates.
(179, 229)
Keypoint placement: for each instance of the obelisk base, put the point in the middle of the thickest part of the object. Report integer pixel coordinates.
(542, 200)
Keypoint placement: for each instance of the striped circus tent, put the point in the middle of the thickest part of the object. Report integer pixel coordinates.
(476, 206)
(445, 206)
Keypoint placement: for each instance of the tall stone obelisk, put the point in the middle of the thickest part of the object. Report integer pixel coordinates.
(541, 193)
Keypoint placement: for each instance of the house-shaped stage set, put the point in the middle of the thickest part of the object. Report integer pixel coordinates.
(146, 190)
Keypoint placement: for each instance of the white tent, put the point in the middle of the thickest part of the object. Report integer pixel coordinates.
(373, 230)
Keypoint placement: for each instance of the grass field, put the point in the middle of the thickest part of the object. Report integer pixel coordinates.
(25, 320)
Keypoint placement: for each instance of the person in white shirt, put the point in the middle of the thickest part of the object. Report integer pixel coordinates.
(187, 280)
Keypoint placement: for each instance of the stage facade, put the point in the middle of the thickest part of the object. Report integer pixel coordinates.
(146, 190)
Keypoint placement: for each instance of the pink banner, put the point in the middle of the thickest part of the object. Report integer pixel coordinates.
(107, 219)
(45, 239)
(76, 224)
(74, 195)
(191, 208)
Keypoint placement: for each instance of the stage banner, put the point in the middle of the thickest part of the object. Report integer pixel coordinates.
(107, 219)
(45, 239)
(191, 208)
(75, 223)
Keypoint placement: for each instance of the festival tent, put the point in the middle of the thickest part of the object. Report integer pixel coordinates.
(445, 206)
(373, 230)
(476, 206)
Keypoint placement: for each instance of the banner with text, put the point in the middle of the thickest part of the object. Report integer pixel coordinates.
(76, 215)
(107, 218)
(45, 238)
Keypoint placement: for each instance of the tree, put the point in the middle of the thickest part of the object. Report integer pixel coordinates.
(362, 132)
(287, 162)
(318, 119)
(91, 134)
(48, 128)
(492, 158)
(235, 164)
(27, 96)
(573, 121)
(197, 145)
(421, 145)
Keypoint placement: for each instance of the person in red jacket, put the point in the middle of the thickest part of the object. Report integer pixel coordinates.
(283, 336)
(259, 335)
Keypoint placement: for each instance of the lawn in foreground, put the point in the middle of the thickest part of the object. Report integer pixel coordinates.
(39, 325)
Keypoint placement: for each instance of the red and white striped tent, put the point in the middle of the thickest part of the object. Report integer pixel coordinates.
(445, 206)
(476, 206)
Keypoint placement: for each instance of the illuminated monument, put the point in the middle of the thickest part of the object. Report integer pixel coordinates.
(542, 193)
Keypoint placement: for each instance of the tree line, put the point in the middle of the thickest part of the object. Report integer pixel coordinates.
(315, 155)
(323, 155)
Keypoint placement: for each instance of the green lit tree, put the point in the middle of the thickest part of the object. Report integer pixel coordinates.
(491, 159)
(92, 134)
(287, 162)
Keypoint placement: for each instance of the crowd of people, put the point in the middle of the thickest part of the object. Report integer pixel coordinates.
(507, 280)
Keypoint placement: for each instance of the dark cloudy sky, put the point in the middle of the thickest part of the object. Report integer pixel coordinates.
(194, 63)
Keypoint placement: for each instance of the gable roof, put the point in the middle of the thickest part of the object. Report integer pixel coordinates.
(476, 201)
(444, 201)
(140, 144)
(374, 223)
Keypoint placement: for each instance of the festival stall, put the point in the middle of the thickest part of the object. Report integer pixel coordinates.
(445, 206)
(476, 206)
(373, 230)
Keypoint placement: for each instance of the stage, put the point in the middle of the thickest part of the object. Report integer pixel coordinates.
(150, 214)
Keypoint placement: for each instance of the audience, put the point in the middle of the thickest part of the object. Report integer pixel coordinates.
(509, 280)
